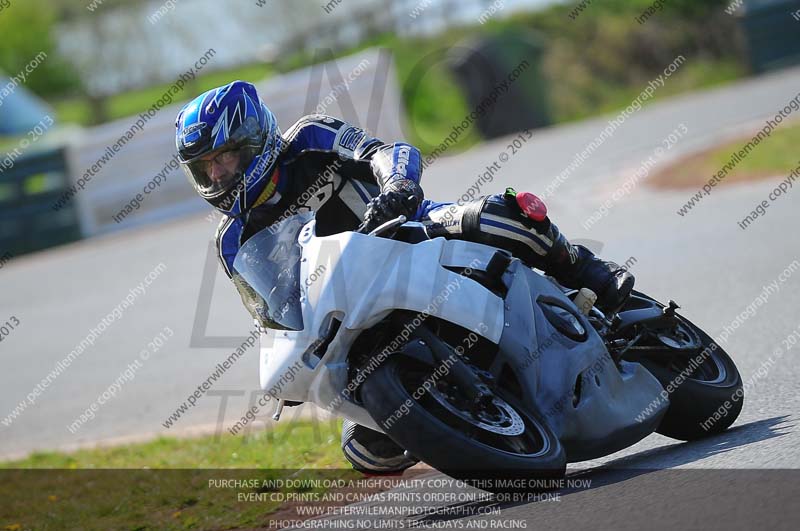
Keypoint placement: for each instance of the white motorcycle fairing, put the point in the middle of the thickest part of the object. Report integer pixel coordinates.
(359, 280)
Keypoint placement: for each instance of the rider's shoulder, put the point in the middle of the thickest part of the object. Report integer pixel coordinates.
(320, 132)
(311, 124)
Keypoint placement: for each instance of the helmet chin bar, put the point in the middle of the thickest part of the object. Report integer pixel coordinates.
(228, 197)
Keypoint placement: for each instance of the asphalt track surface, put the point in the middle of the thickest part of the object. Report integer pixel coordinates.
(703, 260)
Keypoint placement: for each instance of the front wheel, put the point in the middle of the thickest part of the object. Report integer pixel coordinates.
(429, 417)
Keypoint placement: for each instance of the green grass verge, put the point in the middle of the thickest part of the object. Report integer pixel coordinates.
(80, 490)
(315, 443)
(776, 156)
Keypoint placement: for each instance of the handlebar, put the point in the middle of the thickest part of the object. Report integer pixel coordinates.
(391, 224)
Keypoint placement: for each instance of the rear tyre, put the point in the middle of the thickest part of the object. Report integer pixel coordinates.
(426, 416)
(705, 388)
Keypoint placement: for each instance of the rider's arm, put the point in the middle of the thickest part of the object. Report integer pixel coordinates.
(389, 162)
(226, 241)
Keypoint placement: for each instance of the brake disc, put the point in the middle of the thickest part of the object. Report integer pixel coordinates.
(510, 423)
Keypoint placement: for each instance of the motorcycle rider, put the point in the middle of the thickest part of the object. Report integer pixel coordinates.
(233, 152)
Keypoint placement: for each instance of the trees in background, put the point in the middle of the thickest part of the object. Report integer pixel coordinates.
(26, 30)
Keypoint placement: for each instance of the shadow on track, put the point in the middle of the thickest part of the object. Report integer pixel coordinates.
(629, 467)
(682, 453)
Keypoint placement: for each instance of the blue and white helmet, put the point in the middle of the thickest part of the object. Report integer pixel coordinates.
(228, 144)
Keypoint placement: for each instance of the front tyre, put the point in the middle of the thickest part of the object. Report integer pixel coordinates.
(427, 417)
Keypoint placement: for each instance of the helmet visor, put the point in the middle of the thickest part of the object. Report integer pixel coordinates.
(220, 170)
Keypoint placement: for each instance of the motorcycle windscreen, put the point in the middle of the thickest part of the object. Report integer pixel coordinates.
(267, 273)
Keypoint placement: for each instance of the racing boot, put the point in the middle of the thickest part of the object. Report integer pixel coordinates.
(372, 452)
(576, 267)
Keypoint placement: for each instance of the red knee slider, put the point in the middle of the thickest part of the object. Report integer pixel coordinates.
(532, 206)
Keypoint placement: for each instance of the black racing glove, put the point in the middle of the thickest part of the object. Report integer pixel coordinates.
(399, 197)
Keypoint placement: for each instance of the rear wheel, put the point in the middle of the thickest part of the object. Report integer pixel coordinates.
(703, 384)
(431, 418)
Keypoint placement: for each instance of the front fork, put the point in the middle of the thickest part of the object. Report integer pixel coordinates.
(459, 373)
